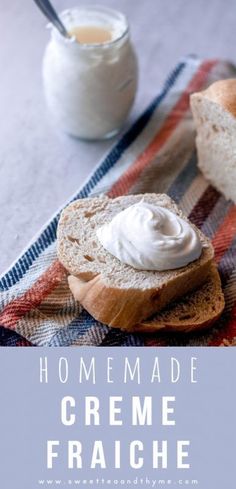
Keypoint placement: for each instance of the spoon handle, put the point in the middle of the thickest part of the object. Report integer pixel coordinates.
(48, 10)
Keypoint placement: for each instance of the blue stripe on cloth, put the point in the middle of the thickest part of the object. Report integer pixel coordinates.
(184, 179)
(48, 236)
(11, 338)
(134, 340)
(7, 337)
(78, 328)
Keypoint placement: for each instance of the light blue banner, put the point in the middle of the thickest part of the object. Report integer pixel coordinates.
(117, 417)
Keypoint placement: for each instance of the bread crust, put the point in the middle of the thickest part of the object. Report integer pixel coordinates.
(121, 308)
(162, 322)
(222, 92)
(214, 114)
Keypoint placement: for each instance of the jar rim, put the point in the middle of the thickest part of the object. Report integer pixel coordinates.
(67, 14)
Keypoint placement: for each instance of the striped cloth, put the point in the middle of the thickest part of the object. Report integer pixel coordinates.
(157, 154)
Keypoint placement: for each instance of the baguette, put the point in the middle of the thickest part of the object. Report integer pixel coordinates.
(214, 113)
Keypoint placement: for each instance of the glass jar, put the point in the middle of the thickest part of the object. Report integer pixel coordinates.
(90, 87)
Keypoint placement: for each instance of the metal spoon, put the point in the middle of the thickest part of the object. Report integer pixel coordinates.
(48, 10)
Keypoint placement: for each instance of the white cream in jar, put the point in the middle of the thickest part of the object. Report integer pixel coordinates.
(90, 79)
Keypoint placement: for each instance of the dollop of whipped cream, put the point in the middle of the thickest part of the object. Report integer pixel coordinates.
(150, 237)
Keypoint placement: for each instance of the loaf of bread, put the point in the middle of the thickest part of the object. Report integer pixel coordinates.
(214, 113)
(195, 311)
(112, 292)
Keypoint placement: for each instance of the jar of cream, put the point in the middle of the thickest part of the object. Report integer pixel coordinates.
(90, 79)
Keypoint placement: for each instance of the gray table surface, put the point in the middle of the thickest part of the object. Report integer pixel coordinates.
(41, 167)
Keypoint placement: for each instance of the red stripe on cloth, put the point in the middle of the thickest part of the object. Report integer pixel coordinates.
(33, 297)
(125, 182)
(24, 343)
(225, 234)
(204, 206)
(231, 329)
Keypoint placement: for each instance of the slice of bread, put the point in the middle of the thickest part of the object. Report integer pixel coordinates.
(112, 292)
(195, 311)
(214, 113)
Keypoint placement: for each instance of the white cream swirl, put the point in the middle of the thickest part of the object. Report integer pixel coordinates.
(150, 237)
